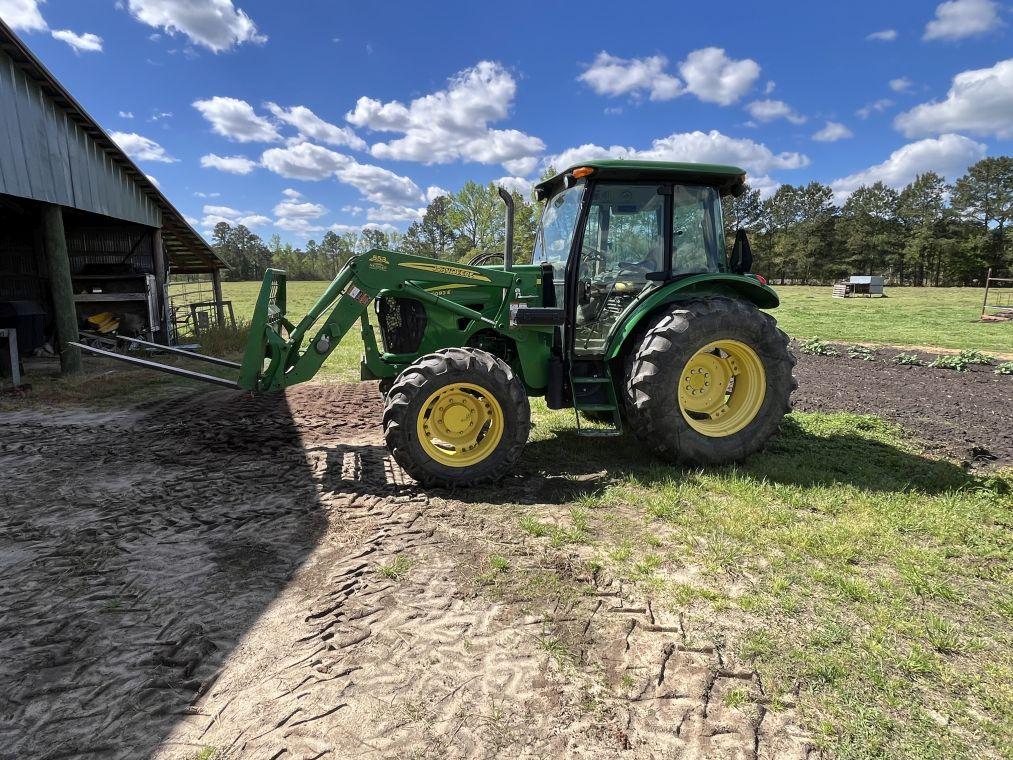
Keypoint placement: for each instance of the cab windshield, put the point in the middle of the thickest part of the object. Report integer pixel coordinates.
(555, 233)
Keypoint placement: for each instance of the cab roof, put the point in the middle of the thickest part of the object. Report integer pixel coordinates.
(729, 180)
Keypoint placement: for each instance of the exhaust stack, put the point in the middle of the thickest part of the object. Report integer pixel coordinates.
(508, 246)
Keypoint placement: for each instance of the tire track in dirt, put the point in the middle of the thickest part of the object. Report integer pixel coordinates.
(258, 576)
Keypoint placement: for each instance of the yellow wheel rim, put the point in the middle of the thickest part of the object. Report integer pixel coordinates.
(721, 388)
(460, 424)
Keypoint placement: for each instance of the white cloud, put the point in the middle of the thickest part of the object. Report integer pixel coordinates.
(769, 110)
(707, 73)
(397, 197)
(358, 228)
(770, 87)
(611, 75)
(378, 185)
(230, 164)
(451, 124)
(957, 19)
(704, 147)
(216, 24)
(303, 161)
(877, 106)
(23, 15)
(764, 184)
(141, 148)
(215, 214)
(81, 43)
(297, 215)
(236, 120)
(199, 194)
(312, 127)
(715, 78)
(979, 101)
(884, 35)
(126, 114)
(832, 132)
(296, 209)
(901, 84)
(433, 192)
(521, 166)
(394, 214)
(948, 155)
(517, 185)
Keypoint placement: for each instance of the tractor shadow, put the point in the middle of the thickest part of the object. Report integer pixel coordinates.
(559, 469)
(136, 557)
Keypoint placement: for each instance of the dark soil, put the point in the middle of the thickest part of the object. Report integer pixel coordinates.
(967, 416)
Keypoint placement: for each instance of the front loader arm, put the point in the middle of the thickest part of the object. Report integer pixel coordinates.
(280, 354)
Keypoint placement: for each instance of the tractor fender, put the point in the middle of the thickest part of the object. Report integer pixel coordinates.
(721, 284)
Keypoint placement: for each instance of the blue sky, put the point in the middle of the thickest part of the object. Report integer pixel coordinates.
(310, 115)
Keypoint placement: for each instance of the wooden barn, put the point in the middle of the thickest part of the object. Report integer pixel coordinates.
(86, 239)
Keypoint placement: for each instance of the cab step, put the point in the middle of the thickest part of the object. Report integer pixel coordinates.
(602, 397)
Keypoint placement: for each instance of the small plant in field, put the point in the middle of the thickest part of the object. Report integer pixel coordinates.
(533, 527)
(736, 698)
(206, 753)
(1006, 368)
(498, 563)
(556, 649)
(957, 363)
(861, 352)
(397, 569)
(818, 347)
(943, 635)
(908, 360)
(976, 357)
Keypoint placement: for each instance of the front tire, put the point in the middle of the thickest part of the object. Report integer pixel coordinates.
(457, 417)
(709, 381)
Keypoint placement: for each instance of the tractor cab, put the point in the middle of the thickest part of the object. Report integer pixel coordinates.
(614, 231)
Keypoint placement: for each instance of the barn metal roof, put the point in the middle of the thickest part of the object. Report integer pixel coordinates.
(188, 252)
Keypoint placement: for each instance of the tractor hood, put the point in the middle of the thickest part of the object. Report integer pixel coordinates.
(729, 180)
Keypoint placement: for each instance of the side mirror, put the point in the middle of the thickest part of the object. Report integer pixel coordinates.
(741, 260)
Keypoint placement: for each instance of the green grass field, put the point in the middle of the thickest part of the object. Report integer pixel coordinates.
(930, 317)
(927, 317)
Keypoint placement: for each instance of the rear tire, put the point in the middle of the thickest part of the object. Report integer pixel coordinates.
(457, 417)
(661, 381)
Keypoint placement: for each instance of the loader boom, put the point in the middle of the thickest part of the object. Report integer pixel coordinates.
(280, 353)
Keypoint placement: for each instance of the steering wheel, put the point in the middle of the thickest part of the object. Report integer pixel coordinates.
(590, 254)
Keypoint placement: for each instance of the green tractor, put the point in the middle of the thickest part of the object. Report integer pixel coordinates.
(629, 314)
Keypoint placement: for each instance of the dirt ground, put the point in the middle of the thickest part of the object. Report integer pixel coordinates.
(256, 575)
(966, 416)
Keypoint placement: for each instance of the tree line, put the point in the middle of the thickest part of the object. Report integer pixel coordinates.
(927, 233)
(456, 227)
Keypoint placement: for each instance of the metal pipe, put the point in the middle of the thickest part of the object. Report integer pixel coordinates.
(138, 362)
(181, 352)
(508, 246)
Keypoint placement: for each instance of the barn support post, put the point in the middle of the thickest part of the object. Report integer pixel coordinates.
(54, 241)
(216, 284)
(158, 264)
